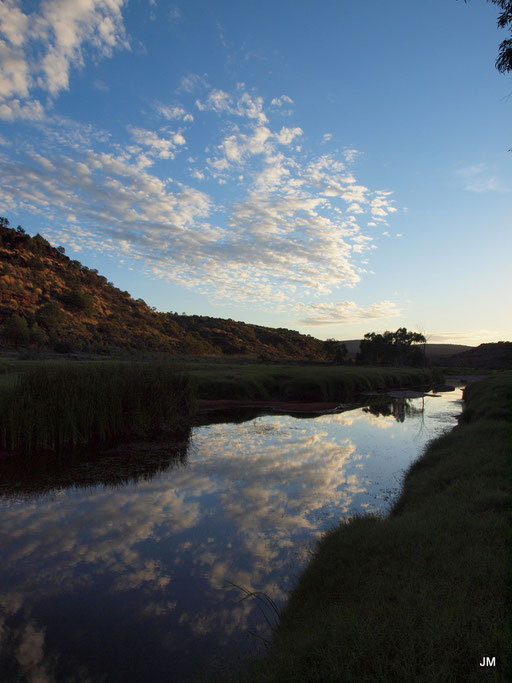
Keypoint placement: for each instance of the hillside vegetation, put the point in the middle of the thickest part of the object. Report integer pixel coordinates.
(49, 301)
(486, 356)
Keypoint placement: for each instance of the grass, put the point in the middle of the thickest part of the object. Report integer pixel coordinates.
(298, 383)
(424, 594)
(55, 405)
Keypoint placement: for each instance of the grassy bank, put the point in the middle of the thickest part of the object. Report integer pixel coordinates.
(61, 404)
(51, 404)
(298, 383)
(423, 594)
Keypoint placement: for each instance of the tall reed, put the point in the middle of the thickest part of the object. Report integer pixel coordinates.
(74, 403)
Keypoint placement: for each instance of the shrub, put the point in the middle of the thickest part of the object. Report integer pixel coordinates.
(63, 347)
(78, 300)
(50, 316)
(37, 335)
(15, 331)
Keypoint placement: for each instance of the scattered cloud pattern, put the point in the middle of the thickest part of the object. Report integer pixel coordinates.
(252, 217)
(248, 216)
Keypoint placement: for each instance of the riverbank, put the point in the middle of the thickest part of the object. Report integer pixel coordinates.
(319, 407)
(299, 383)
(56, 404)
(423, 594)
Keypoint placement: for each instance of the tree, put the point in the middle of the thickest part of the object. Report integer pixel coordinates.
(391, 348)
(335, 351)
(79, 300)
(504, 58)
(38, 336)
(15, 330)
(50, 316)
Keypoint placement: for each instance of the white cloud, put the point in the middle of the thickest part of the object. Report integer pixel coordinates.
(42, 161)
(174, 112)
(240, 104)
(192, 82)
(13, 22)
(14, 109)
(351, 155)
(279, 101)
(347, 312)
(39, 49)
(218, 101)
(286, 135)
(469, 337)
(14, 76)
(163, 147)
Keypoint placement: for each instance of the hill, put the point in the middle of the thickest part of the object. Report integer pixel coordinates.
(494, 356)
(49, 301)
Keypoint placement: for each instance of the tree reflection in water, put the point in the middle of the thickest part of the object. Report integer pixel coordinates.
(399, 408)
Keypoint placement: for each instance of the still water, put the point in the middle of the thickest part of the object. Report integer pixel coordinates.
(121, 567)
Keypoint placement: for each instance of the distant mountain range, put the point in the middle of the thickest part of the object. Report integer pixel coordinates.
(434, 352)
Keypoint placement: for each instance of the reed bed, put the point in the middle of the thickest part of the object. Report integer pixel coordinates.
(67, 404)
(300, 383)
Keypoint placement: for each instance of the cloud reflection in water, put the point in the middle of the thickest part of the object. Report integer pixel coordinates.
(86, 571)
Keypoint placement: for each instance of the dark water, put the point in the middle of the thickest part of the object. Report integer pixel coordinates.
(120, 567)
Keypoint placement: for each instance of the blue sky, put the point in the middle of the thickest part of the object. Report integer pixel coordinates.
(335, 167)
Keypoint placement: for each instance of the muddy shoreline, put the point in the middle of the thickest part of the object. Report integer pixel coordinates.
(281, 406)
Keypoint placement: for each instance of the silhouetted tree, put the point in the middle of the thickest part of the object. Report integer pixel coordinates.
(504, 58)
(391, 348)
(336, 351)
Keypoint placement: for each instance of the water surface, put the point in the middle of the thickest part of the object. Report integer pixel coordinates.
(121, 567)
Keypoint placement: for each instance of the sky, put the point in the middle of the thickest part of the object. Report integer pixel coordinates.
(334, 167)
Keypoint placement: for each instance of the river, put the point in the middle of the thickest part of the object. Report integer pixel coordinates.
(132, 565)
